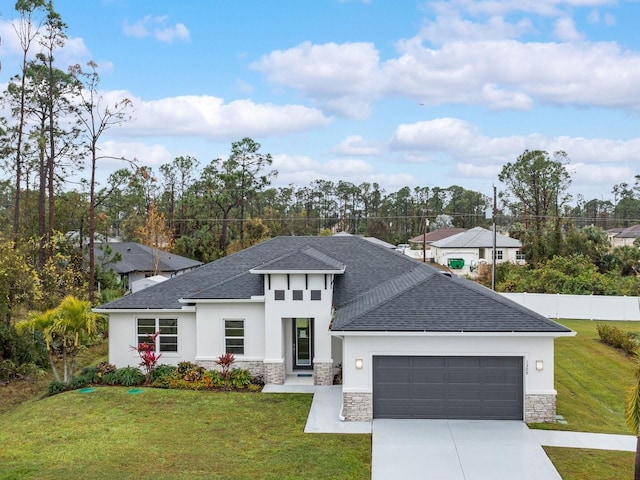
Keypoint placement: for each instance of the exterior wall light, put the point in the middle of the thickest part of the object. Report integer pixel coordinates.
(539, 365)
(359, 363)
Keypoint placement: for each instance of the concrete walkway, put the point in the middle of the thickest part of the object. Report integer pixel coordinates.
(598, 441)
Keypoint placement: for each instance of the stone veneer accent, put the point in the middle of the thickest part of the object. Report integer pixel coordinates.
(540, 408)
(274, 373)
(323, 373)
(255, 367)
(357, 407)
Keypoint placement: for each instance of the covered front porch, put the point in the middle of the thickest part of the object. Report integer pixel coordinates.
(301, 353)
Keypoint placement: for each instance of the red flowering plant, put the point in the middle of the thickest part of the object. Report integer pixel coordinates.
(224, 362)
(148, 356)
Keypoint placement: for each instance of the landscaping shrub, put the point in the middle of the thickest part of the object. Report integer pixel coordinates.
(617, 338)
(213, 379)
(239, 378)
(90, 374)
(11, 370)
(258, 380)
(126, 376)
(130, 376)
(56, 387)
(161, 374)
(78, 382)
(103, 368)
(190, 371)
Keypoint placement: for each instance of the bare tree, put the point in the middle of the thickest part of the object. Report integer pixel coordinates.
(26, 28)
(96, 118)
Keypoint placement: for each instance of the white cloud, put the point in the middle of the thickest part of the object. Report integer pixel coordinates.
(471, 154)
(156, 26)
(514, 74)
(565, 30)
(339, 77)
(356, 145)
(210, 118)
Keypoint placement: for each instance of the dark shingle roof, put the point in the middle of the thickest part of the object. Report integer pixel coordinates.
(140, 258)
(378, 291)
(631, 232)
(304, 259)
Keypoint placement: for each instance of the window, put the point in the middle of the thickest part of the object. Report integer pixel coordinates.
(167, 340)
(498, 254)
(316, 294)
(279, 294)
(234, 336)
(297, 294)
(520, 255)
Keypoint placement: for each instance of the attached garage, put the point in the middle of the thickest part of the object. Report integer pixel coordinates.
(448, 387)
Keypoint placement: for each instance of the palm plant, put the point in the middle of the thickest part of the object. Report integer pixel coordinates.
(64, 328)
(632, 413)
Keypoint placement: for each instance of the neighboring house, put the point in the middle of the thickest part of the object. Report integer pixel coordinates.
(139, 262)
(422, 242)
(463, 251)
(620, 237)
(143, 283)
(409, 341)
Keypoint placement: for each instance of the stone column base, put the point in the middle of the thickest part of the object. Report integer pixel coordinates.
(540, 408)
(274, 373)
(357, 407)
(323, 373)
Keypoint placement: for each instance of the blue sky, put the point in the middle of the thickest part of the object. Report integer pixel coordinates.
(415, 93)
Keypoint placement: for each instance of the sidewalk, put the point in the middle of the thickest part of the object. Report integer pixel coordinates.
(598, 441)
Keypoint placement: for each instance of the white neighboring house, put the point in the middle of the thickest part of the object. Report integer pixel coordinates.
(620, 237)
(410, 342)
(464, 251)
(143, 283)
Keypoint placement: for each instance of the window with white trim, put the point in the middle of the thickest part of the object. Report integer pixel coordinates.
(234, 336)
(498, 254)
(520, 255)
(167, 340)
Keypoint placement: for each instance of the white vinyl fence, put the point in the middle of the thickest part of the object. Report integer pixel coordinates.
(587, 307)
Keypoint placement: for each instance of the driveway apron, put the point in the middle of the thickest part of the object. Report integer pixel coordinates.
(457, 450)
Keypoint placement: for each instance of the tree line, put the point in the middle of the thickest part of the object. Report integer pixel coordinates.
(207, 210)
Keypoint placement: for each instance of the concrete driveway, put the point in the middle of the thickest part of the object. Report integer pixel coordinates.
(457, 450)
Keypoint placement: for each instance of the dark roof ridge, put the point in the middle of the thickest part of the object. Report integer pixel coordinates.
(389, 290)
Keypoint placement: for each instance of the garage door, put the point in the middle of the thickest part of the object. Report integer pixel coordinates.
(487, 388)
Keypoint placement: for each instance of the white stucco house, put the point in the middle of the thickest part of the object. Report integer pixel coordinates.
(411, 342)
(464, 251)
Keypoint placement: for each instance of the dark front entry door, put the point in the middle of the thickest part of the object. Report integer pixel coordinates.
(302, 342)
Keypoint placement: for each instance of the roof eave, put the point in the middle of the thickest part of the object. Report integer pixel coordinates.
(426, 333)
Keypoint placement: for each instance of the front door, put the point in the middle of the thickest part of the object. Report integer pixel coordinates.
(302, 342)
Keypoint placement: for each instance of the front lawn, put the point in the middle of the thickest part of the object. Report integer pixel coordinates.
(172, 434)
(585, 464)
(591, 379)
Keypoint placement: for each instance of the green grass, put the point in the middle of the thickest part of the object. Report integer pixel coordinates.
(591, 379)
(583, 464)
(171, 434)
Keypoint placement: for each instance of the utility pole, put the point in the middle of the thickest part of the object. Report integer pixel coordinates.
(493, 254)
(424, 240)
